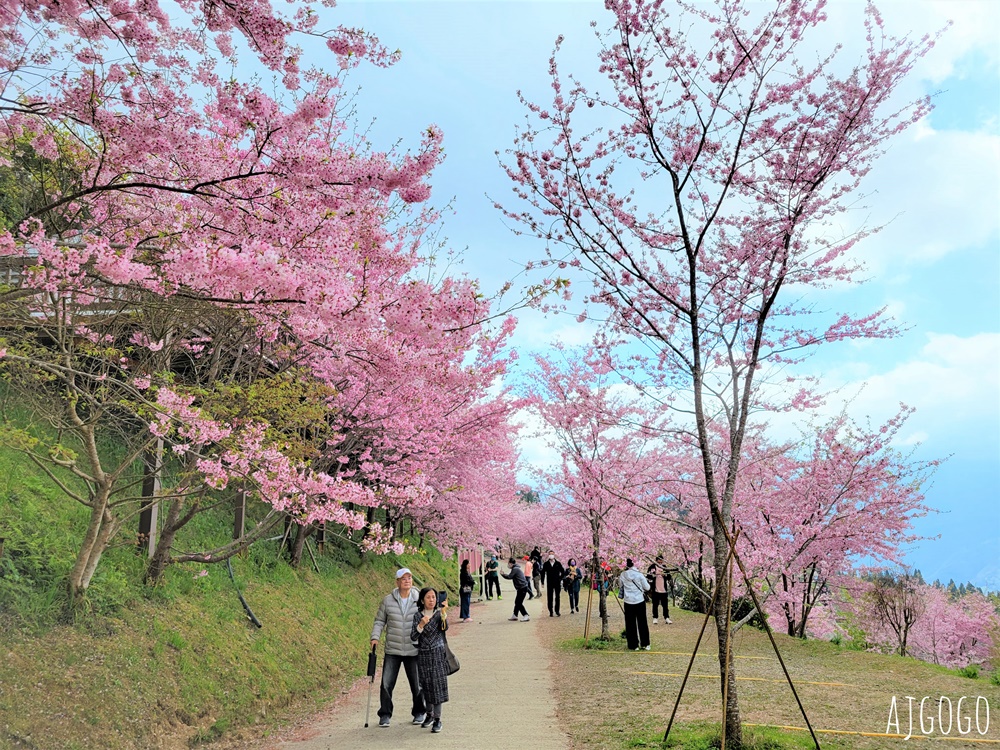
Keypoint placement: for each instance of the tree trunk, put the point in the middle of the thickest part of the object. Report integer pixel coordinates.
(101, 528)
(787, 608)
(298, 546)
(703, 600)
(734, 728)
(161, 556)
(598, 577)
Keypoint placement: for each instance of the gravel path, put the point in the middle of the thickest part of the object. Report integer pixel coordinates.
(502, 697)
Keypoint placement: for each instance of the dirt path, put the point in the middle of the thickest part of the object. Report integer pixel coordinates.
(502, 697)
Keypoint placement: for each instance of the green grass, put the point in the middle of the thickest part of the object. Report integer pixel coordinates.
(707, 736)
(609, 699)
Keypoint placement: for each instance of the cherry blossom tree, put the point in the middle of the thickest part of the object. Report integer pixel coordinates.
(955, 631)
(610, 450)
(901, 614)
(702, 199)
(840, 499)
(214, 237)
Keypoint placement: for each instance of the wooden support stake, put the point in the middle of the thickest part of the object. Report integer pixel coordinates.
(729, 640)
(310, 550)
(321, 537)
(149, 509)
(697, 644)
(239, 517)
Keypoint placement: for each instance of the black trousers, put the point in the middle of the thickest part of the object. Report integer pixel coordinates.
(553, 592)
(574, 597)
(390, 671)
(659, 599)
(636, 627)
(519, 608)
(491, 581)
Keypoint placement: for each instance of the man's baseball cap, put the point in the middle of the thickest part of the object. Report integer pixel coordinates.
(403, 572)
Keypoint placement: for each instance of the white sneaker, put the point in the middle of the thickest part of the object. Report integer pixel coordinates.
(654, 620)
(525, 619)
(668, 621)
(645, 648)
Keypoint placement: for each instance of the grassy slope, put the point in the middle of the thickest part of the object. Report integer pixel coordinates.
(634, 693)
(160, 673)
(169, 667)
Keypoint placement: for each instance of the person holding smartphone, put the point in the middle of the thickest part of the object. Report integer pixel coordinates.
(429, 625)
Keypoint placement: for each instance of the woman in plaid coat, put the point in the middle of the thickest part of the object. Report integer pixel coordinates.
(429, 624)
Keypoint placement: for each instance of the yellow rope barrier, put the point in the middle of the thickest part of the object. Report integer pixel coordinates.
(686, 653)
(880, 734)
(748, 679)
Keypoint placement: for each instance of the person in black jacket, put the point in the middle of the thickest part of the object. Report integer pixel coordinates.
(552, 575)
(466, 585)
(536, 571)
(571, 582)
(659, 588)
(520, 588)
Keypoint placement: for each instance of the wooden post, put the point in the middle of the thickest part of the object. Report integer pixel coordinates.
(239, 518)
(729, 641)
(321, 536)
(149, 510)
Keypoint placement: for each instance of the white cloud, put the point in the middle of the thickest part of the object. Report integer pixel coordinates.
(538, 331)
(974, 25)
(954, 384)
(915, 438)
(534, 441)
(973, 29)
(938, 191)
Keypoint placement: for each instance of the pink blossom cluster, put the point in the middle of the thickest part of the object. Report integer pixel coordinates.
(243, 208)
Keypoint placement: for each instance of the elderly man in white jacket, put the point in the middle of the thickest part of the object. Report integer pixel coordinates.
(395, 617)
(633, 586)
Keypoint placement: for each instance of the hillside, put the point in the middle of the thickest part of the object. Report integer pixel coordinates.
(165, 671)
(138, 668)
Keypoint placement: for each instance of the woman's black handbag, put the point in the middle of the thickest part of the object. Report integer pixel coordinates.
(453, 665)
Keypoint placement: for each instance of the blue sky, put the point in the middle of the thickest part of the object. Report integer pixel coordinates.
(936, 265)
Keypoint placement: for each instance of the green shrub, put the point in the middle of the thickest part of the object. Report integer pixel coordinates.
(858, 638)
(693, 600)
(971, 671)
(743, 606)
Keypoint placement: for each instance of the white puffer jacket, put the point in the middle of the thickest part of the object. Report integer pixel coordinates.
(395, 616)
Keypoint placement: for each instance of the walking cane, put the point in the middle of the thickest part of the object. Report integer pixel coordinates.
(372, 659)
